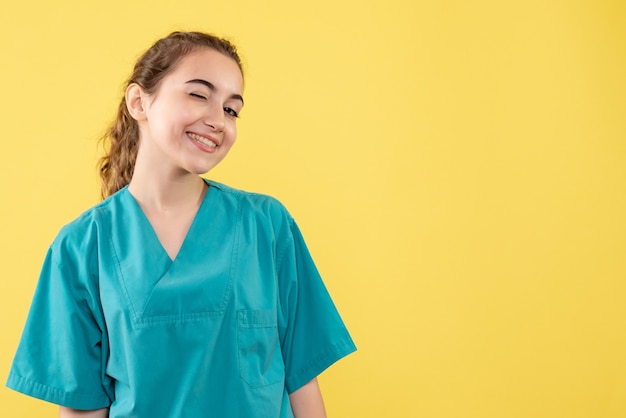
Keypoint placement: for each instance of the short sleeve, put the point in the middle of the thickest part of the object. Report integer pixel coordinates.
(313, 335)
(61, 355)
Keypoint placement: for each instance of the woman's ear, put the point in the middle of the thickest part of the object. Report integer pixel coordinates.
(135, 97)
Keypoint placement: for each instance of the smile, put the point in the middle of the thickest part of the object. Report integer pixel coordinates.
(204, 141)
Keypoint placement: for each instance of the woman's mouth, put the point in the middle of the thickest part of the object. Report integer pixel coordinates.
(202, 140)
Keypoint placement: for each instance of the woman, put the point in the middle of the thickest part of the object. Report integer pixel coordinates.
(178, 296)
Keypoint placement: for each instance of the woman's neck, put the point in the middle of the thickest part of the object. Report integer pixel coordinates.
(167, 192)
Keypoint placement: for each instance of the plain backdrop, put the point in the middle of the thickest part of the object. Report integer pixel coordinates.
(458, 169)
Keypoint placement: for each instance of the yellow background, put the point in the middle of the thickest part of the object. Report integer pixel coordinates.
(457, 167)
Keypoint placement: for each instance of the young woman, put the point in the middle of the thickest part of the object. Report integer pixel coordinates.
(178, 296)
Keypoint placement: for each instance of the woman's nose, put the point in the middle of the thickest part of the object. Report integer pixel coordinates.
(215, 117)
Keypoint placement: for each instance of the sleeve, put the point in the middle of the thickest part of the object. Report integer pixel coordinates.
(61, 355)
(313, 335)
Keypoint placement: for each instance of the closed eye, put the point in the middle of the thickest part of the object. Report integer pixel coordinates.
(231, 112)
(199, 96)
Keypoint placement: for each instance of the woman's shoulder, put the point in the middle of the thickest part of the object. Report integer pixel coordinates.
(82, 230)
(251, 202)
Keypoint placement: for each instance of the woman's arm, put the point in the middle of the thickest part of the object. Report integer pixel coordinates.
(307, 401)
(75, 413)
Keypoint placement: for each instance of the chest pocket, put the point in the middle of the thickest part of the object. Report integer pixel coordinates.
(260, 358)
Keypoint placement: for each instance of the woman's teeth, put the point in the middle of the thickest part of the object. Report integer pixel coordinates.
(202, 140)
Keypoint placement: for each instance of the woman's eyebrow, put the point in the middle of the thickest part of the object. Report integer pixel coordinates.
(211, 87)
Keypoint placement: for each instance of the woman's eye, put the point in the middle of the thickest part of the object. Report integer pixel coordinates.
(199, 96)
(231, 112)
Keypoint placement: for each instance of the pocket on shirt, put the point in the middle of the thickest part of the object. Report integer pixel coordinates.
(260, 358)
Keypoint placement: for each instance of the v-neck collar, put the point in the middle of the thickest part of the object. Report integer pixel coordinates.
(190, 232)
(198, 282)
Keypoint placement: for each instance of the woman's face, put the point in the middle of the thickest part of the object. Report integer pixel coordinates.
(189, 123)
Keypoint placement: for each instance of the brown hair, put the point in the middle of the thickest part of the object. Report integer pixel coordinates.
(121, 140)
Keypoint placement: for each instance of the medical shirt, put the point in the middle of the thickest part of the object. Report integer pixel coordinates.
(237, 321)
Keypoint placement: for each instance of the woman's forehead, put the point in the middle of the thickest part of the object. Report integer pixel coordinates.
(209, 63)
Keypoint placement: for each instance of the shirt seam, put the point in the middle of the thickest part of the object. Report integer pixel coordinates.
(39, 387)
(322, 361)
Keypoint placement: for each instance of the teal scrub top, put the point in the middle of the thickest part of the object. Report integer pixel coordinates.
(237, 321)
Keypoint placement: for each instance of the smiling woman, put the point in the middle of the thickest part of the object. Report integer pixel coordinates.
(194, 108)
(161, 59)
(178, 296)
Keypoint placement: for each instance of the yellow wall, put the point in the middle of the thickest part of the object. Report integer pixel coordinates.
(458, 169)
